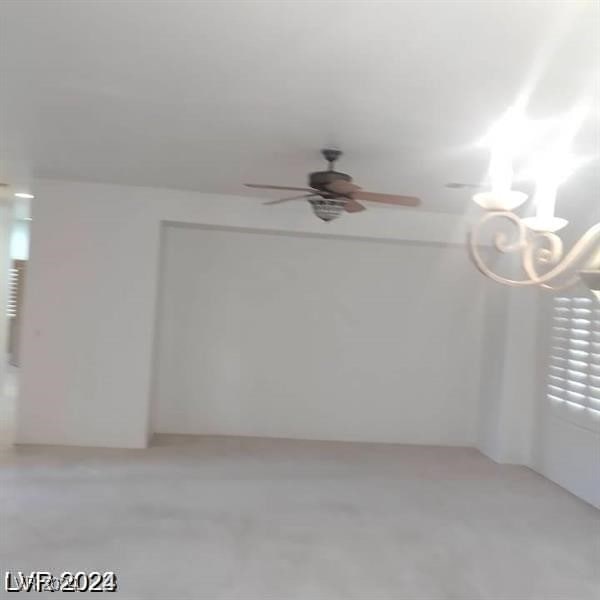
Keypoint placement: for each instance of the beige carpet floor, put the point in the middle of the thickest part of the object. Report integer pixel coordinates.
(254, 519)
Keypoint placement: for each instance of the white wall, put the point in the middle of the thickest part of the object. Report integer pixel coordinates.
(491, 438)
(90, 314)
(91, 296)
(509, 377)
(317, 338)
(87, 329)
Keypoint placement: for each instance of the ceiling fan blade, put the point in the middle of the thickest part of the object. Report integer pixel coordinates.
(387, 198)
(343, 187)
(352, 206)
(278, 187)
(280, 200)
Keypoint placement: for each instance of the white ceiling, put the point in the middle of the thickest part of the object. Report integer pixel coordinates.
(206, 95)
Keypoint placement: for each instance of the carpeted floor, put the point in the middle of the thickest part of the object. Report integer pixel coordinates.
(255, 519)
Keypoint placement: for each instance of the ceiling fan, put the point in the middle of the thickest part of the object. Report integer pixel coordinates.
(331, 192)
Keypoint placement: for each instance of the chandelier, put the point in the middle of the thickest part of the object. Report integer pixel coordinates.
(534, 241)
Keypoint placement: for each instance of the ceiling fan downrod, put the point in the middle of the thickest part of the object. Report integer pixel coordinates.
(331, 156)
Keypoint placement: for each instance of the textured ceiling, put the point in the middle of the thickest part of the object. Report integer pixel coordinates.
(207, 95)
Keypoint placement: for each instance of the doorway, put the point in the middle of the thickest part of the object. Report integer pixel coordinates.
(13, 314)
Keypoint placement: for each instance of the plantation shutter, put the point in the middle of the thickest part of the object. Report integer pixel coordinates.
(573, 385)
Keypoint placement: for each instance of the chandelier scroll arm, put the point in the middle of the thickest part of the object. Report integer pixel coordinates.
(529, 253)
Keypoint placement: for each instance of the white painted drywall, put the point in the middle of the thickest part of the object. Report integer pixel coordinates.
(570, 456)
(88, 310)
(317, 338)
(491, 394)
(90, 314)
(91, 294)
(509, 375)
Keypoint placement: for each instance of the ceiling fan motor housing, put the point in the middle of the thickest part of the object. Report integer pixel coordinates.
(319, 180)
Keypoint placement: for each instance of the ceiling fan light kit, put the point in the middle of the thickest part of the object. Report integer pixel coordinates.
(327, 209)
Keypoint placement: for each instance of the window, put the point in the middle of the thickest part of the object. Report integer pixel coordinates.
(574, 368)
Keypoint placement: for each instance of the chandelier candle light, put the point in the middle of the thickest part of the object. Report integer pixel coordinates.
(537, 245)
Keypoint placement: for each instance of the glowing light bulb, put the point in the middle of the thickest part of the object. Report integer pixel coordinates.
(504, 139)
(551, 169)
